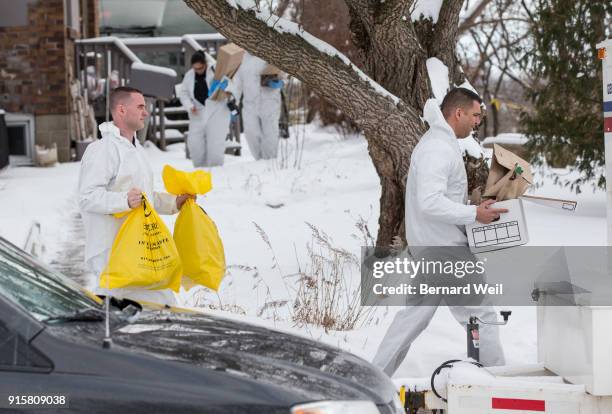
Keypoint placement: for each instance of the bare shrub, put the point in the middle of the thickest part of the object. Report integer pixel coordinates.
(201, 299)
(325, 295)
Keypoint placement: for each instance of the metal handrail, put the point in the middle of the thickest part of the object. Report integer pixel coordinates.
(117, 55)
(131, 56)
(111, 40)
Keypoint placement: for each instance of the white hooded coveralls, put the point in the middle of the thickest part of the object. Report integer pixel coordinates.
(209, 126)
(110, 167)
(261, 108)
(436, 215)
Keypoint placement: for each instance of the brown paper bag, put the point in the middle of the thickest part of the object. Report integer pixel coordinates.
(270, 70)
(229, 58)
(509, 175)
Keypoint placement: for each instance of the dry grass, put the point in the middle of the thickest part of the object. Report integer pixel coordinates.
(201, 299)
(325, 295)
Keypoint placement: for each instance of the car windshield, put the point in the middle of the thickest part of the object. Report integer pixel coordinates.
(43, 292)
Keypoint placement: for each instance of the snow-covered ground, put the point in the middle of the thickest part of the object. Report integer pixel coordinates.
(335, 188)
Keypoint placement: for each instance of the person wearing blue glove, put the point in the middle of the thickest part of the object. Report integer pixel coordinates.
(275, 83)
(261, 105)
(208, 118)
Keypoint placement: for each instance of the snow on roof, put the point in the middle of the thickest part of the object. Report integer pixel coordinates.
(153, 68)
(507, 138)
(429, 9)
(284, 26)
(438, 76)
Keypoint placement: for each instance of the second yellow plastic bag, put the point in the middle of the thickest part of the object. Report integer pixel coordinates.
(144, 254)
(195, 234)
(200, 247)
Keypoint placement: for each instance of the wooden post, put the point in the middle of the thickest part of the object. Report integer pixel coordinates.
(108, 81)
(162, 126)
(77, 62)
(153, 128)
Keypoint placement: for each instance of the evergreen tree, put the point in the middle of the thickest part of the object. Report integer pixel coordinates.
(565, 126)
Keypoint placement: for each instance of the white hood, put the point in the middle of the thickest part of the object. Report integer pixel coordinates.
(433, 115)
(109, 129)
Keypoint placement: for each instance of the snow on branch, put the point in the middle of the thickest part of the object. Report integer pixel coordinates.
(429, 9)
(287, 27)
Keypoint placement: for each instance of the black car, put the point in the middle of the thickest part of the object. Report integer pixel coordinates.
(162, 360)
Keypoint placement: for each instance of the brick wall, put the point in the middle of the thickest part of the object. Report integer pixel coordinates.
(34, 57)
(35, 62)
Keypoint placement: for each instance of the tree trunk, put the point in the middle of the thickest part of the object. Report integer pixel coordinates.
(394, 51)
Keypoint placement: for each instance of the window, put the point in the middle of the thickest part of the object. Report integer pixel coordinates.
(72, 14)
(40, 291)
(20, 128)
(17, 140)
(16, 354)
(14, 13)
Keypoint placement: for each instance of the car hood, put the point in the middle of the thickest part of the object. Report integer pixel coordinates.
(311, 369)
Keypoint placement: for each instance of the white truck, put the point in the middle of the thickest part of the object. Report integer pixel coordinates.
(574, 373)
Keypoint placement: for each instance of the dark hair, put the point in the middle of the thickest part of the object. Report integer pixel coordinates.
(198, 57)
(119, 95)
(458, 98)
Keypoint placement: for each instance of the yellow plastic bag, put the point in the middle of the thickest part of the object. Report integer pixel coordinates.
(195, 234)
(181, 182)
(144, 254)
(200, 247)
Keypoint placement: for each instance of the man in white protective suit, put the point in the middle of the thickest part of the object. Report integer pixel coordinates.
(208, 119)
(436, 215)
(261, 106)
(114, 173)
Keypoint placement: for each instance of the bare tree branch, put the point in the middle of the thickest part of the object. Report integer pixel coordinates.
(494, 21)
(476, 12)
(445, 37)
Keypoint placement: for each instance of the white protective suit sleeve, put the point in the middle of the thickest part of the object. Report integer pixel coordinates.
(184, 95)
(96, 172)
(432, 187)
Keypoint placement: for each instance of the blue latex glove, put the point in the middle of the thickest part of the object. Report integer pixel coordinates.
(222, 84)
(275, 83)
